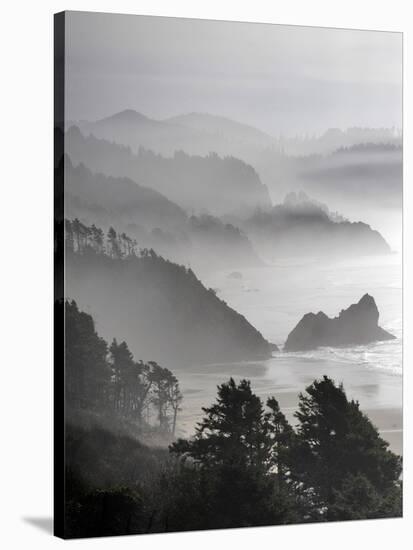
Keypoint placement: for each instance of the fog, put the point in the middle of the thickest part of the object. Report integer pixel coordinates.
(282, 79)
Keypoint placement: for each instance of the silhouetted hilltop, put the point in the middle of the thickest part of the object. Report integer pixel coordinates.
(134, 129)
(301, 226)
(156, 222)
(211, 183)
(160, 308)
(223, 128)
(356, 325)
(103, 199)
(194, 133)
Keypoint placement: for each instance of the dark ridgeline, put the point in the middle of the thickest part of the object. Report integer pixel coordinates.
(203, 241)
(220, 185)
(301, 226)
(372, 159)
(160, 308)
(245, 466)
(356, 325)
(105, 199)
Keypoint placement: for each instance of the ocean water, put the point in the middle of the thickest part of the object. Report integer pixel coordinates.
(274, 298)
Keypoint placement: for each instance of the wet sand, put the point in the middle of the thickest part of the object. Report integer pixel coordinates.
(378, 392)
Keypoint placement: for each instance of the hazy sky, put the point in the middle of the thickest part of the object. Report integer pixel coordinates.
(282, 79)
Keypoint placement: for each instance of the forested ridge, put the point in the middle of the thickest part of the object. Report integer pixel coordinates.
(191, 181)
(301, 226)
(154, 220)
(245, 465)
(161, 308)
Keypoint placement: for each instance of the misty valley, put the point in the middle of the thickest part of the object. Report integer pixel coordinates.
(232, 324)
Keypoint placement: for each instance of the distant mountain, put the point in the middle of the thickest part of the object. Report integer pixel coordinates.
(202, 133)
(222, 127)
(283, 163)
(194, 133)
(356, 325)
(135, 130)
(300, 226)
(372, 171)
(336, 138)
(212, 184)
(160, 308)
(366, 173)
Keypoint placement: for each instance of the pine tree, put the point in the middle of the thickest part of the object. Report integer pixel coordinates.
(233, 454)
(336, 447)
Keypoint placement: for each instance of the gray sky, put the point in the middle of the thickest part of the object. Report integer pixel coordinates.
(281, 79)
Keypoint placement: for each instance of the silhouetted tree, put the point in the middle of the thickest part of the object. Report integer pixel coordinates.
(233, 452)
(123, 367)
(87, 371)
(162, 382)
(175, 400)
(114, 249)
(281, 434)
(337, 447)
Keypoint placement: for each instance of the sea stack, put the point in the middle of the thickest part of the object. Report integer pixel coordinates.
(356, 325)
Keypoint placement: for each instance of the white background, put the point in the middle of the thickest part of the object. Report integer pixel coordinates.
(26, 212)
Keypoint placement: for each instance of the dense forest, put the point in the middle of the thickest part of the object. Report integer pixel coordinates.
(108, 380)
(245, 465)
(161, 308)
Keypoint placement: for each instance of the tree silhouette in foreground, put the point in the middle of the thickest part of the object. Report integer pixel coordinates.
(339, 460)
(256, 469)
(107, 379)
(246, 465)
(237, 458)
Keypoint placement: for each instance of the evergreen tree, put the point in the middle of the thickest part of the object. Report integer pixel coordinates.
(162, 379)
(336, 447)
(123, 366)
(87, 371)
(113, 244)
(233, 453)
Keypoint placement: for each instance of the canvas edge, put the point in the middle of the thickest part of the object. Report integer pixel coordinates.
(58, 321)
